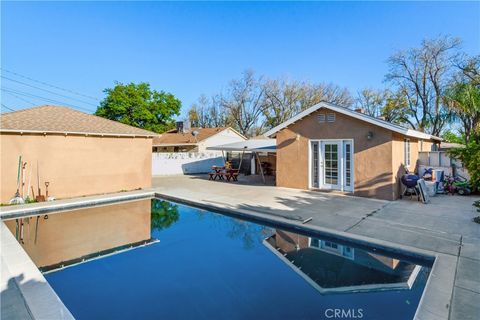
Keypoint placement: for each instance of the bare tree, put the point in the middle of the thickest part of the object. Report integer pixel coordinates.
(421, 75)
(244, 102)
(469, 69)
(371, 101)
(284, 99)
(326, 92)
(208, 113)
(383, 104)
(198, 113)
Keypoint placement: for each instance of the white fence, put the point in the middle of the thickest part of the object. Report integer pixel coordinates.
(440, 160)
(437, 159)
(165, 164)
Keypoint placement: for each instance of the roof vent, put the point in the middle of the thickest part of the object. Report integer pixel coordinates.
(331, 117)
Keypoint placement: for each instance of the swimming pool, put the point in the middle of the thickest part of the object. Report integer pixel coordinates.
(165, 260)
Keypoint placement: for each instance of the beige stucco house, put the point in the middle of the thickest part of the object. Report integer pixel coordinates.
(328, 147)
(77, 153)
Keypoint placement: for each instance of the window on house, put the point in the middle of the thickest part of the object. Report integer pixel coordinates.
(406, 152)
(321, 117)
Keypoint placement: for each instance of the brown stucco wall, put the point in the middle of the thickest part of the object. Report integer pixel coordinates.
(66, 236)
(76, 165)
(372, 158)
(398, 158)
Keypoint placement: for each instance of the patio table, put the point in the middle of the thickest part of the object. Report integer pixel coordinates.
(223, 174)
(217, 171)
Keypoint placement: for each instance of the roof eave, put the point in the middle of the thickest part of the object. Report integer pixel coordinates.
(173, 144)
(359, 116)
(97, 134)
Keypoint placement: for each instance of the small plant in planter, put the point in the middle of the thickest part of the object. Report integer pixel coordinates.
(477, 218)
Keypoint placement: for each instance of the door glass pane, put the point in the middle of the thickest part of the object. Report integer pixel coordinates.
(331, 164)
(315, 171)
(348, 161)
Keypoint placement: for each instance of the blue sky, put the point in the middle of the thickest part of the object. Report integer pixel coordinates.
(194, 48)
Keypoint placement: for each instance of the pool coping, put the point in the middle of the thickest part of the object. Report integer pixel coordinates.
(434, 303)
(41, 301)
(17, 211)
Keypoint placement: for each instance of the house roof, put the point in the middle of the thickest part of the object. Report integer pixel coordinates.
(173, 138)
(450, 145)
(62, 120)
(354, 114)
(251, 145)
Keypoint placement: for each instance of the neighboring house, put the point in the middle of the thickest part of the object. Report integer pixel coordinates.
(334, 148)
(194, 139)
(77, 153)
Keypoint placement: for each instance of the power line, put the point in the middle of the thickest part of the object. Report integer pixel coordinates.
(30, 95)
(51, 85)
(20, 98)
(49, 91)
(7, 107)
(25, 94)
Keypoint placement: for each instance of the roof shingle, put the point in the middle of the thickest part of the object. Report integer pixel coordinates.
(56, 119)
(172, 137)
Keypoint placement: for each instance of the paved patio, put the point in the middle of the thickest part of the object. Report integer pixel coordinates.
(442, 228)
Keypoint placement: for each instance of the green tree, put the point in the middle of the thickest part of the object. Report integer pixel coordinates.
(470, 157)
(451, 136)
(139, 106)
(464, 100)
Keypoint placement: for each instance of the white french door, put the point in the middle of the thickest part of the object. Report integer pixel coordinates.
(331, 164)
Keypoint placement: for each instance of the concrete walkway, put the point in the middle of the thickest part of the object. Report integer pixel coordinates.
(442, 228)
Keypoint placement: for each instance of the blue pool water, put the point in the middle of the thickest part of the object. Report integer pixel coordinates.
(211, 266)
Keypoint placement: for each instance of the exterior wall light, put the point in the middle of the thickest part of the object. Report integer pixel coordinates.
(369, 135)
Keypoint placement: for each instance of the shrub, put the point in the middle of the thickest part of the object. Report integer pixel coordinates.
(470, 157)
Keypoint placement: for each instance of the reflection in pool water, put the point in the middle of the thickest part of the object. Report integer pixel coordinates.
(211, 266)
(164, 214)
(333, 267)
(61, 238)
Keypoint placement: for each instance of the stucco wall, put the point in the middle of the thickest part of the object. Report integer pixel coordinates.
(372, 158)
(66, 236)
(76, 165)
(398, 159)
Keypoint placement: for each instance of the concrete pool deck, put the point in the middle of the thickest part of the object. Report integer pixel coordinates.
(442, 229)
